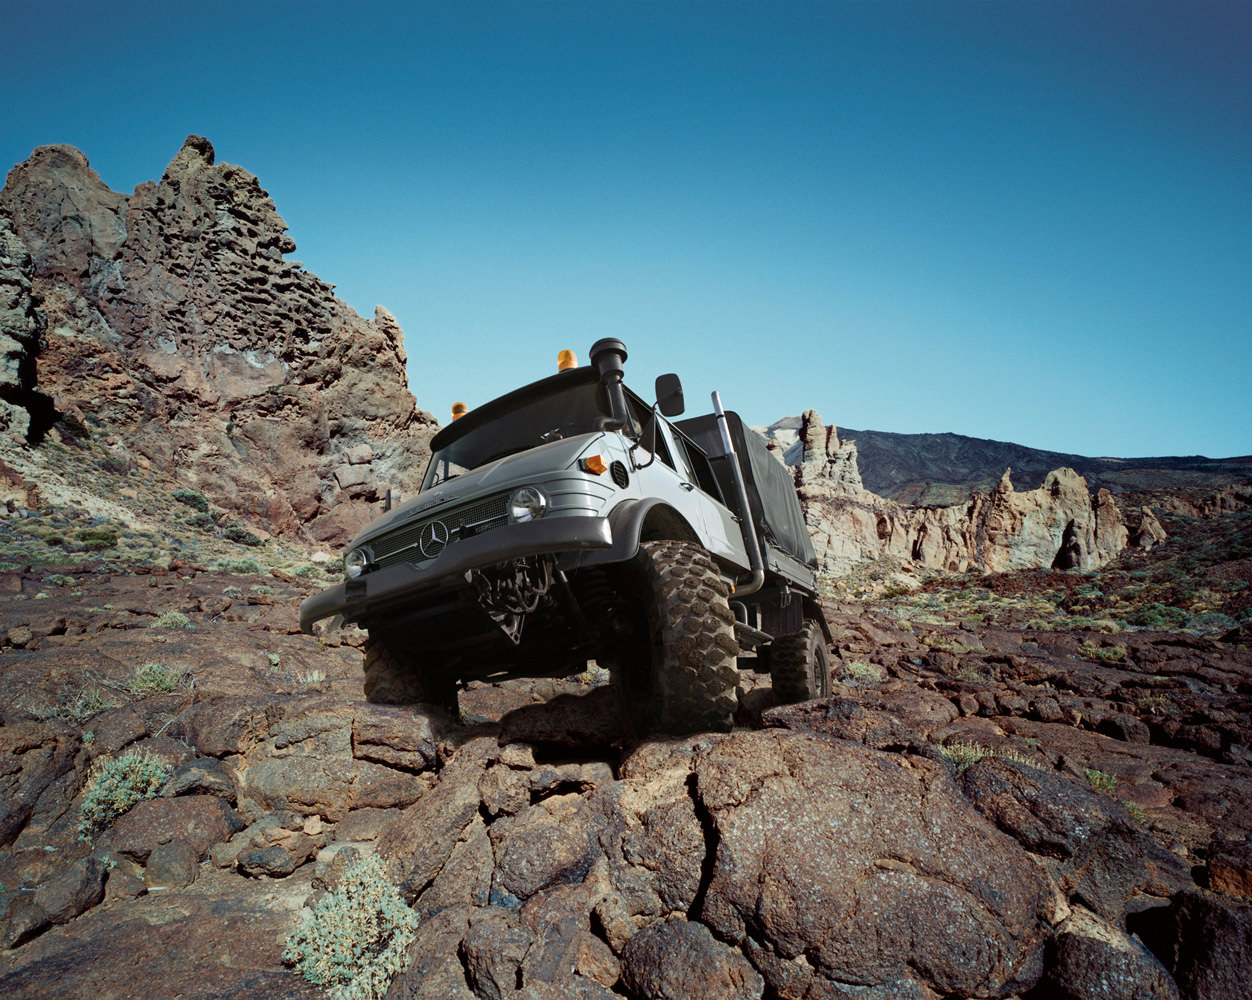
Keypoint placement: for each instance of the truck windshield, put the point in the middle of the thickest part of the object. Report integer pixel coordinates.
(565, 412)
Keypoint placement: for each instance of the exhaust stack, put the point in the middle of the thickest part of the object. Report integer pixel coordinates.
(609, 356)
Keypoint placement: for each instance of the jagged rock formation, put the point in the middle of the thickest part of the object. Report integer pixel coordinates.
(1058, 526)
(944, 469)
(169, 325)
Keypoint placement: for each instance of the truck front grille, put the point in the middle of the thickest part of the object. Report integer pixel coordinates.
(404, 545)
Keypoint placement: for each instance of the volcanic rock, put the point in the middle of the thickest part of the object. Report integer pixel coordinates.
(1057, 526)
(177, 331)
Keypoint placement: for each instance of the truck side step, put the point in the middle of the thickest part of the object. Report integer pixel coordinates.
(750, 637)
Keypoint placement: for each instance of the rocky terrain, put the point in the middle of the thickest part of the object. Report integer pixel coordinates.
(167, 329)
(947, 469)
(997, 800)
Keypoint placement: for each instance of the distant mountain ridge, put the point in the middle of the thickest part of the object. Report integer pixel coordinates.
(942, 469)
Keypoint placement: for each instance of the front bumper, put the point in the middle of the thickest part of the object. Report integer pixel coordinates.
(405, 582)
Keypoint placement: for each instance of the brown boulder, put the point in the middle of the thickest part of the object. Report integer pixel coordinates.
(172, 865)
(819, 844)
(72, 892)
(1103, 858)
(1093, 960)
(676, 959)
(200, 820)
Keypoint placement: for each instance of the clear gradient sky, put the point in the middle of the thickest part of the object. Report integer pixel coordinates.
(1015, 220)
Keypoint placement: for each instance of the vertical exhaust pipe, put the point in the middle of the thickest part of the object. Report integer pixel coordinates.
(609, 356)
(755, 578)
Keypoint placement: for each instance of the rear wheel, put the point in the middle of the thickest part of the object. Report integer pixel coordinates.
(396, 676)
(800, 665)
(682, 679)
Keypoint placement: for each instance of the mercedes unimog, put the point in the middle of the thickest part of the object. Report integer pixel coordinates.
(568, 521)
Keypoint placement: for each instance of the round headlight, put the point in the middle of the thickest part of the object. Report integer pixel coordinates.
(354, 563)
(527, 504)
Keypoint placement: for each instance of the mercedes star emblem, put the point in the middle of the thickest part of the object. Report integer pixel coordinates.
(433, 539)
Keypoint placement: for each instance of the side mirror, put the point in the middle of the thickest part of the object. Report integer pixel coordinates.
(669, 395)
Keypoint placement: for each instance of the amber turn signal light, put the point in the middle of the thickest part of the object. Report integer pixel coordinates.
(595, 465)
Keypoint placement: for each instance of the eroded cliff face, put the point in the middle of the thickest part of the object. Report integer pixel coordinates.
(169, 325)
(1059, 526)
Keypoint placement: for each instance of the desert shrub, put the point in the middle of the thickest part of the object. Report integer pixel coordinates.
(964, 755)
(240, 535)
(117, 785)
(1101, 781)
(1103, 654)
(115, 464)
(191, 499)
(307, 570)
(240, 567)
(944, 644)
(1154, 702)
(967, 672)
(97, 539)
(1157, 616)
(202, 521)
(59, 580)
(311, 677)
(86, 703)
(1136, 812)
(855, 670)
(356, 937)
(171, 619)
(156, 678)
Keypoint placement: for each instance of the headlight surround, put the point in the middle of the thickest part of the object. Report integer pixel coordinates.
(355, 562)
(527, 504)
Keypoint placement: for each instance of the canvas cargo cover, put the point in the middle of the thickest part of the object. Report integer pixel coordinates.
(771, 488)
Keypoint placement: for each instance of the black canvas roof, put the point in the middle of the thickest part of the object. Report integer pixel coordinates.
(771, 489)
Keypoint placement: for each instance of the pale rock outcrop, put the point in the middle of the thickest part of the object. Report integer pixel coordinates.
(178, 334)
(1149, 534)
(1058, 526)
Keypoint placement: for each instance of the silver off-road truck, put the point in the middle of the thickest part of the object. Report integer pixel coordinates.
(568, 521)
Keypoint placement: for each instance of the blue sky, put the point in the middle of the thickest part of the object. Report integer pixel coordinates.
(1022, 221)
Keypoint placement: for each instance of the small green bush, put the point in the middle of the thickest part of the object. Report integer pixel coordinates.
(964, 755)
(191, 499)
(202, 521)
(356, 937)
(97, 539)
(171, 619)
(240, 567)
(855, 670)
(1103, 654)
(156, 678)
(1157, 616)
(117, 785)
(240, 535)
(1101, 781)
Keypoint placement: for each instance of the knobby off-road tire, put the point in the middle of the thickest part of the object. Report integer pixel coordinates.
(800, 665)
(687, 681)
(394, 676)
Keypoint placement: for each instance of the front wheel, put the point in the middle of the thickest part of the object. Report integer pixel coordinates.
(683, 680)
(395, 676)
(800, 665)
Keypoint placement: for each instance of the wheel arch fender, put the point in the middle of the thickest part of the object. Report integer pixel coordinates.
(635, 521)
(813, 611)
